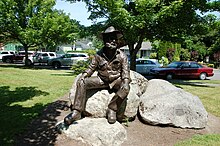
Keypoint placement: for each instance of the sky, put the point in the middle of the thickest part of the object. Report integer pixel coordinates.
(78, 11)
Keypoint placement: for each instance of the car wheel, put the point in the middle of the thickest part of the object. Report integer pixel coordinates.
(29, 63)
(56, 65)
(169, 76)
(202, 76)
(8, 61)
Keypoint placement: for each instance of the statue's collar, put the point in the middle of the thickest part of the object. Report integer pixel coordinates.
(103, 53)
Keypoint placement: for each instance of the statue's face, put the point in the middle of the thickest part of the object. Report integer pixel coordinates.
(110, 40)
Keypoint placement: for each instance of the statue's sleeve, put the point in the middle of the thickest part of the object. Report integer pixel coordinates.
(92, 66)
(125, 67)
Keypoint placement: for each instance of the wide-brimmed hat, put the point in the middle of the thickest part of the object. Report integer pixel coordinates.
(111, 29)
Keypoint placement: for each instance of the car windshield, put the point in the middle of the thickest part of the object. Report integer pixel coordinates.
(67, 55)
(4, 53)
(174, 65)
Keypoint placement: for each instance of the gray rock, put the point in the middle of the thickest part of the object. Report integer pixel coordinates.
(97, 103)
(95, 132)
(138, 84)
(163, 103)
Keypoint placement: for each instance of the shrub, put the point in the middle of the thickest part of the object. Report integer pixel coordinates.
(79, 67)
(170, 53)
(211, 65)
(194, 55)
(184, 54)
(153, 55)
(176, 58)
(165, 61)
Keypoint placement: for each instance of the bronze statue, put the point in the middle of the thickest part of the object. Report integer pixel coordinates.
(113, 73)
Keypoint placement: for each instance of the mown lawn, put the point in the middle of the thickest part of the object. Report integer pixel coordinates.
(24, 93)
(202, 140)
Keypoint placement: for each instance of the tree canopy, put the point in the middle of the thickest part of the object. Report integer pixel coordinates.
(167, 20)
(35, 23)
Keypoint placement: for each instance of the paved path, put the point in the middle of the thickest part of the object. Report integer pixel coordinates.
(216, 75)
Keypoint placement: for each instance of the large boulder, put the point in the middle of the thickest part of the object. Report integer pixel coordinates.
(98, 100)
(163, 103)
(95, 131)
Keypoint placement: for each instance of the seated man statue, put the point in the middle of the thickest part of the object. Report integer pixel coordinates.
(113, 71)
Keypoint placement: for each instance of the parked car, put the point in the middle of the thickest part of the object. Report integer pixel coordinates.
(17, 57)
(183, 69)
(143, 66)
(41, 58)
(68, 59)
(5, 53)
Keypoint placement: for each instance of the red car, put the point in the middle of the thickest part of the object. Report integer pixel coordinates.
(183, 69)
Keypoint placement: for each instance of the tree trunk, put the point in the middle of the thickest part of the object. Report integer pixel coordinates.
(26, 55)
(133, 53)
(132, 57)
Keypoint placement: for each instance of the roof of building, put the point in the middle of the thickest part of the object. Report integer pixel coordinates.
(144, 46)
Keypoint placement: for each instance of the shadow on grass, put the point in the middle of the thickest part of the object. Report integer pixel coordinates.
(187, 82)
(11, 65)
(69, 73)
(34, 67)
(42, 131)
(22, 66)
(16, 118)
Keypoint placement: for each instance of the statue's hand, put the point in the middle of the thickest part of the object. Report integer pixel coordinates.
(126, 85)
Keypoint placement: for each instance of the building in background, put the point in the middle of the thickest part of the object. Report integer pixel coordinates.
(13, 47)
(77, 46)
(144, 52)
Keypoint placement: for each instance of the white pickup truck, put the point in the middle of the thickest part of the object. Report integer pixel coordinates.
(41, 58)
(5, 53)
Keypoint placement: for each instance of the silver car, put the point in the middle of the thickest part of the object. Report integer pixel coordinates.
(41, 58)
(143, 66)
(68, 59)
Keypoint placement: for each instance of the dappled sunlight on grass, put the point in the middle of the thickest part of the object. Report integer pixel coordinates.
(24, 93)
(15, 117)
(20, 94)
(202, 140)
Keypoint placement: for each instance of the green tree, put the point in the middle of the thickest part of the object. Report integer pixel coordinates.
(153, 56)
(165, 20)
(58, 29)
(212, 38)
(35, 23)
(162, 49)
(204, 39)
(184, 54)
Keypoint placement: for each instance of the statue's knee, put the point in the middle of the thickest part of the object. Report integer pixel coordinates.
(127, 90)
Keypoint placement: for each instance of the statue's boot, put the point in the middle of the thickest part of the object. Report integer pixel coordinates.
(113, 107)
(111, 116)
(74, 116)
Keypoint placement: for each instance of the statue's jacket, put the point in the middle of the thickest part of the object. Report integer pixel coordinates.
(109, 71)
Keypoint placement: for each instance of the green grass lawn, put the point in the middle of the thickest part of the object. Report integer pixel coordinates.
(24, 93)
(202, 140)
